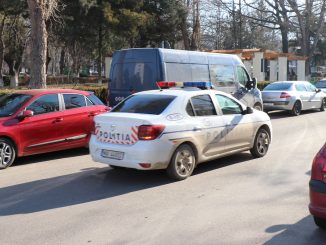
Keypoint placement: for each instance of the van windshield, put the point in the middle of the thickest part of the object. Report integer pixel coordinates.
(133, 76)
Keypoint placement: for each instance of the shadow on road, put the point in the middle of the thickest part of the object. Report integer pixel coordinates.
(222, 162)
(303, 232)
(285, 114)
(51, 156)
(90, 185)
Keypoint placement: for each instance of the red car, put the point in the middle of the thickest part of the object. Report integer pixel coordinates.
(38, 121)
(317, 186)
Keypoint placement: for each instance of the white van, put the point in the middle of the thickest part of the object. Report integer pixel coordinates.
(134, 70)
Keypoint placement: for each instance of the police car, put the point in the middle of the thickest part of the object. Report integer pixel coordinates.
(177, 127)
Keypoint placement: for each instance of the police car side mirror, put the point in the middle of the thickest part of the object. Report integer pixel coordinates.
(248, 110)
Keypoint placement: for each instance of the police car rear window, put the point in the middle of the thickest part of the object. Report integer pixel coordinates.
(145, 104)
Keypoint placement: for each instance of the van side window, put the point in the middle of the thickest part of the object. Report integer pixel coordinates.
(178, 72)
(203, 105)
(186, 72)
(222, 75)
(242, 75)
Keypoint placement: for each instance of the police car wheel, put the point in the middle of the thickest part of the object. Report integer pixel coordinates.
(7, 153)
(261, 143)
(182, 163)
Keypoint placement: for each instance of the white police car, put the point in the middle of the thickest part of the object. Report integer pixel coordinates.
(178, 128)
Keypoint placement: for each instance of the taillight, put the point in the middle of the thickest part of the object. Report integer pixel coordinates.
(285, 95)
(150, 132)
(318, 171)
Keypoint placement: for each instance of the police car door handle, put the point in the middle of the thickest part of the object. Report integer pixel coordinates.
(197, 128)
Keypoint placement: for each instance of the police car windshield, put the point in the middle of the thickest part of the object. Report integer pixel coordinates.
(145, 104)
(9, 104)
(278, 86)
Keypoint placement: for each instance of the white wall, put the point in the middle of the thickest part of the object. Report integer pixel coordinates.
(301, 70)
(272, 70)
(282, 68)
(257, 66)
(108, 61)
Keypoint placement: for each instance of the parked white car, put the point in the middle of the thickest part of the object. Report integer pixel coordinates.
(293, 96)
(176, 129)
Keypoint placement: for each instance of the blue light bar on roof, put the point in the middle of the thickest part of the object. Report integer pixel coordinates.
(198, 84)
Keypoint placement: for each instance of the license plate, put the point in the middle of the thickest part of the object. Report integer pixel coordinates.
(268, 103)
(118, 155)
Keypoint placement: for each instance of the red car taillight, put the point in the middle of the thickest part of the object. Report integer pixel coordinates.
(150, 132)
(318, 171)
(285, 95)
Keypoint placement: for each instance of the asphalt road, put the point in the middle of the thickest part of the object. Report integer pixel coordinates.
(65, 198)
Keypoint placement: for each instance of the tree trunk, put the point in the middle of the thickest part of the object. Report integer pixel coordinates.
(100, 47)
(39, 44)
(195, 38)
(285, 39)
(2, 48)
(14, 79)
(62, 61)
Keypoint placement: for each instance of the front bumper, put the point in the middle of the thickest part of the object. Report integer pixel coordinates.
(317, 206)
(157, 152)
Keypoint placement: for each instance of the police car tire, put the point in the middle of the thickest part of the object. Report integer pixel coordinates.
(259, 150)
(320, 222)
(172, 169)
(6, 143)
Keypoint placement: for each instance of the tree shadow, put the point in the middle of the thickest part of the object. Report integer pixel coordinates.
(222, 162)
(303, 232)
(77, 188)
(89, 185)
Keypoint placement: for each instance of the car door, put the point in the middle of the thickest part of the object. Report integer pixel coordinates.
(209, 127)
(239, 127)
(304, 95)
(315, 97)
(79, 112)
(42, 131)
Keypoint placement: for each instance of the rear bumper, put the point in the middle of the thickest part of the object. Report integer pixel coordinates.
(158, 153)
(317, 206)
(278, 105)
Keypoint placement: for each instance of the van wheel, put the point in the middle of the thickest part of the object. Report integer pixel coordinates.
(261, 143)
(258, 107)
(182, 163)
(297, 107)
(7, 153)
(323, 104)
